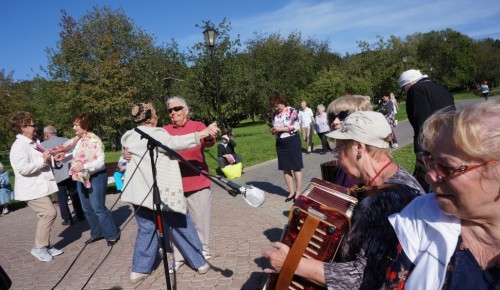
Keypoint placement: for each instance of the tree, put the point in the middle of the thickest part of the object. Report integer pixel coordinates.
(103, 59)
(487, 53)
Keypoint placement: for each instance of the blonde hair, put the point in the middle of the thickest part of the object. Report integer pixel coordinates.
(351, 103)
(475, 129)
(394, 101)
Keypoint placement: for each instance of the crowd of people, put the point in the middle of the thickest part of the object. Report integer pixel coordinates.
(435, 228)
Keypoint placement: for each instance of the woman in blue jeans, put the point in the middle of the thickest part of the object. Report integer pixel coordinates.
(88, 169)
(138, 191)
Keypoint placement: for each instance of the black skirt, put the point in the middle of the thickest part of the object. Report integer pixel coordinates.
(289, 153)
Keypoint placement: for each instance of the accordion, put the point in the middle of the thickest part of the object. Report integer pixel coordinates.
(317, 224)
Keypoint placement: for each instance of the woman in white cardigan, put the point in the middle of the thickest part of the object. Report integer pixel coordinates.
(138, 191)
(34, 181)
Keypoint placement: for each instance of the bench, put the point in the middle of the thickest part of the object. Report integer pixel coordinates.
(110, 170)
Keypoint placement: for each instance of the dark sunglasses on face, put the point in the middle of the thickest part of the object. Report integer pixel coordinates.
(341, 116)
(447, 171)
(176, 108)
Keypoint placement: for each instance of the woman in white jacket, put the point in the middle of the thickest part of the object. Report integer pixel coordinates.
(34, 181)
(138, 191)
(450, 239)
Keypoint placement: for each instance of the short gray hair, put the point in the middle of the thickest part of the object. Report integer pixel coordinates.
(50, 130)
(178, 99)
(320, 106)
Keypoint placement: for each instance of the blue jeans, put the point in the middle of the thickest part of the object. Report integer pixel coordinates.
(183, 233)
(93, 202)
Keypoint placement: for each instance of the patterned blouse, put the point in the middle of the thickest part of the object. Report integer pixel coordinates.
(289, 119)
(88, 151)
(463, 271)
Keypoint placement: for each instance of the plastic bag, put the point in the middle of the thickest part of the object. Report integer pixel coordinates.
(233, 170)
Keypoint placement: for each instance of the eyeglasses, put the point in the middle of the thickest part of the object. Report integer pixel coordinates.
(336, 151)
(341, 116)
(32, 126)
(176, 108)
(447, 171)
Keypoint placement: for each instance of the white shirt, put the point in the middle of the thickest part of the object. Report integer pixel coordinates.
(305, 117)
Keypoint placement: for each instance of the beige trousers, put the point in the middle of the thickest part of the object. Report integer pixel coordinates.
(200, 211)
(307, 134)
(46, 214)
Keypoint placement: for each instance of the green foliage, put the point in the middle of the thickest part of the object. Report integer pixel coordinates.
(405, 157)
(107, 64)
(253, 142)
(103, 63)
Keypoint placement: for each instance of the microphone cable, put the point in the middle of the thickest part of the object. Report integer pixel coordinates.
(100, 225)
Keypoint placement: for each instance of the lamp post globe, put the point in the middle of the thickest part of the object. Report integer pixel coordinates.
(210, 35)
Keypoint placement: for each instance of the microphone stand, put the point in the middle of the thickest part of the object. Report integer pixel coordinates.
(157, 212)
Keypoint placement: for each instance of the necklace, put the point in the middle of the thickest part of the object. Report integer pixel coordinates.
(378, 173)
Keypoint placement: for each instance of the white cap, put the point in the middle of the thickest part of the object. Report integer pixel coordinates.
(411, 75)
(367, 127)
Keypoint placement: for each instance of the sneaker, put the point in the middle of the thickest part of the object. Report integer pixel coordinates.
(5, 211)
(206, 255)
(41, 254)
(204, 269)
(175, 267)
(395, 145)
(137, 277)
(54, 252)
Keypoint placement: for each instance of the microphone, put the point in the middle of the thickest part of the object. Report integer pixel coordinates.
(253, 196)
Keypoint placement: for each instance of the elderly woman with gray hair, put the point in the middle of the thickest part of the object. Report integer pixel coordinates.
(450, 238)
(322, 127)
(138, 191)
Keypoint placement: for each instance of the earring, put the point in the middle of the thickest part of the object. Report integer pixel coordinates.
(358, 156)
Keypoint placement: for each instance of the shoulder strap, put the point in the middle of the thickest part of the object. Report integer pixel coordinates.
(295, 254)
(365, 191)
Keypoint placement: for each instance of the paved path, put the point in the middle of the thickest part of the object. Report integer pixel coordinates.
(239, 233)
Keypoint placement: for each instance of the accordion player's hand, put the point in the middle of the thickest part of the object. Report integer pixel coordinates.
(276, 257)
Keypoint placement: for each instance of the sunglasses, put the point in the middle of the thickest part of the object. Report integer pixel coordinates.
(447, 171)
(32, 126)
(176, 109)
(341, 116)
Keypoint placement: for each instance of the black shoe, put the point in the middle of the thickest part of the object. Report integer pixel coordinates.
(111, 243)
(290, 198)
(67, 222)
(91, 240)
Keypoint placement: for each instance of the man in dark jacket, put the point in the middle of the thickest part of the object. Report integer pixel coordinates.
(424, 97)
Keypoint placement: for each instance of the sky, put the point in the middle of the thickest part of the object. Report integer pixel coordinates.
(29, 27)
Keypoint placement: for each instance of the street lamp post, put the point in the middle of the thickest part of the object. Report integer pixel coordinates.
(210, 39)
